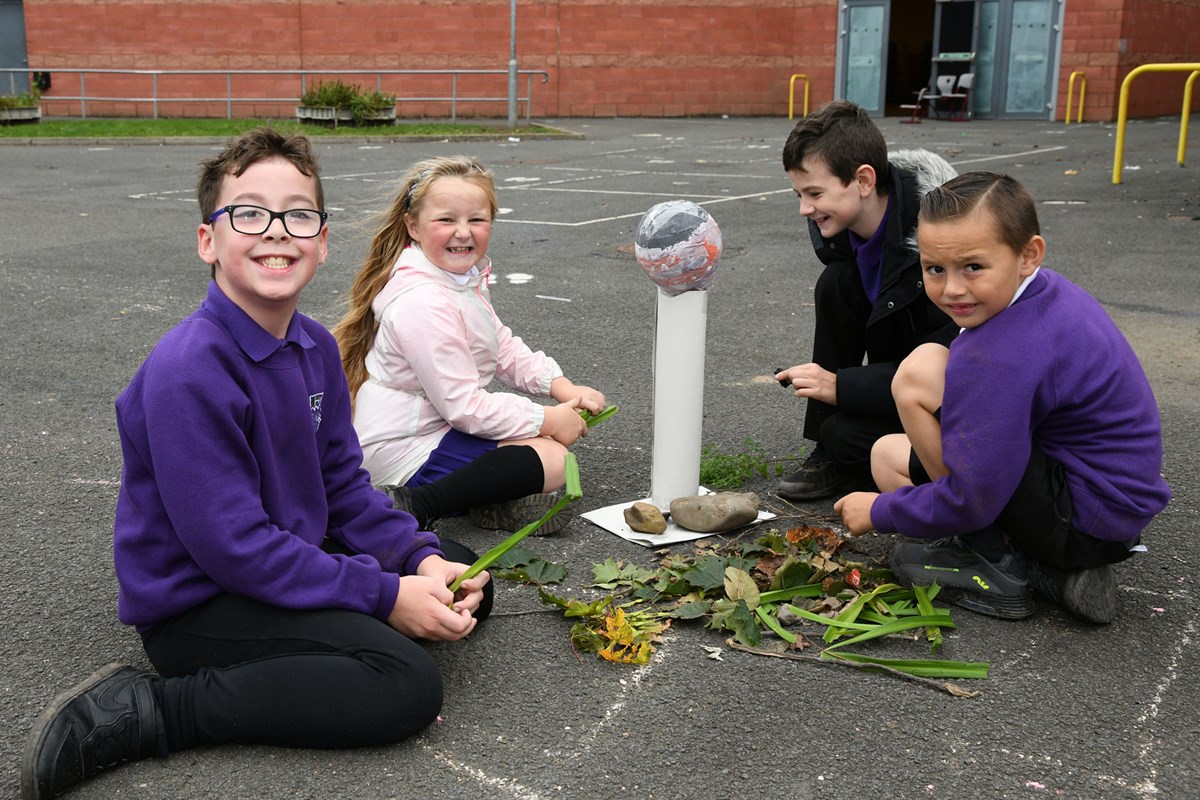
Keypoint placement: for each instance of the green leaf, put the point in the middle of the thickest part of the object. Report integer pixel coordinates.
(740, 586)
(539, 572)
(692, 610)
(707, 572)
(517, 557)
(793, 572)
(744, 625)
(610, 574)
(774, 542)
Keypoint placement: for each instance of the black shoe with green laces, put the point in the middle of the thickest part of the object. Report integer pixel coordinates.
(997, 588)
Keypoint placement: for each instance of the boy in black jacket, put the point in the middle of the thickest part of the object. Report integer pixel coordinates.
(871, 306)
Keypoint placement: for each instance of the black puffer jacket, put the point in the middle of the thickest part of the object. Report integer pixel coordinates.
(903, 316)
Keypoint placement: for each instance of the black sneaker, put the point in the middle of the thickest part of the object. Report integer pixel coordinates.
(995, 588)
(512, 515)
(1090, 594)
(109, 719)
(815, 479)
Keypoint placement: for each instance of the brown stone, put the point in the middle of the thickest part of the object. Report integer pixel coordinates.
(645, 518)
(714, 513)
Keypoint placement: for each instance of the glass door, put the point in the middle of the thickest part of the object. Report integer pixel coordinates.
(862, 53)
(1033, 33)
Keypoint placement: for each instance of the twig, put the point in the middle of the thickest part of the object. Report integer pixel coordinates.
(950, 688)
(523, 613)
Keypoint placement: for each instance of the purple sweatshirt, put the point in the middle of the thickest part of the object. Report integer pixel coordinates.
(1051, 371)
(240, 459)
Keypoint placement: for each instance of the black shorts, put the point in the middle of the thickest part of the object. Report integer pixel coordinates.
(1037, 519)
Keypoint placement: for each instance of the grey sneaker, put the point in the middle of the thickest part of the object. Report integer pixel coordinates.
(1090, 594)
(814, 479)
(401, 497)
(995, 588)
(512, 515)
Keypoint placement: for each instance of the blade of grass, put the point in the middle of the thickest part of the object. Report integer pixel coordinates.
(924, 667)
(769, 620)
(572, 493)
(926, 607)
(778, 595)
(895, 627)
(595, 419)
(829, 622)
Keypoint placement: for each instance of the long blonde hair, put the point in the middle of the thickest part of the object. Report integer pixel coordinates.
(355, 332)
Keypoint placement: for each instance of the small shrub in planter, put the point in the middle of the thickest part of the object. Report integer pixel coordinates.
(343, 102)
(24, 107)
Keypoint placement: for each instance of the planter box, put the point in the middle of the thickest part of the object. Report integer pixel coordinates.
(20, 115)
(332, 117)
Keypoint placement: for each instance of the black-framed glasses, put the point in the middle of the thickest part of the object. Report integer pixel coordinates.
(301, 223)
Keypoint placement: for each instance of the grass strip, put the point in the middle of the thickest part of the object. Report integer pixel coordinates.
(595, 419)
(924, 667)
(769, 620)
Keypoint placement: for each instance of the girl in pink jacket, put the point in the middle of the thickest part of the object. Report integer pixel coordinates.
(421, 344)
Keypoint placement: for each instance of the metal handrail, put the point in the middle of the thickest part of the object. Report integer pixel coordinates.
(1123, 110)
(230, 100)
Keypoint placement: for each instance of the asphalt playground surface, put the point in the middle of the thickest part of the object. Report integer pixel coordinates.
(98, 259)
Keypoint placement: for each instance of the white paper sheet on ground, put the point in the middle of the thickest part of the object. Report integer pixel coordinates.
(612, 519)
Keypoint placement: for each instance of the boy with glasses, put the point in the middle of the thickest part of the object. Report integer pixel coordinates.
(275, 591)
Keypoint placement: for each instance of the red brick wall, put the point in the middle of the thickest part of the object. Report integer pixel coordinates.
(604, 58)
(1106, 39)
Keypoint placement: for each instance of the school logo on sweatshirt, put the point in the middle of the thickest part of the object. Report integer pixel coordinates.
(314, 405)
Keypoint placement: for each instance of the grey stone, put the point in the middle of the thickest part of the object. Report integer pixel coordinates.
(645, 518)
(713, 513)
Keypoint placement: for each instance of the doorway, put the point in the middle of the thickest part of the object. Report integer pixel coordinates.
(12, 48)
(888, 49)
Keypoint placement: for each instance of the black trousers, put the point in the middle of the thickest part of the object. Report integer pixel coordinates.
(238, 670)
(840, 341)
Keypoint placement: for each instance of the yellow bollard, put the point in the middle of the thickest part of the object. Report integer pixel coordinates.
(792, 95)
(1070, 91)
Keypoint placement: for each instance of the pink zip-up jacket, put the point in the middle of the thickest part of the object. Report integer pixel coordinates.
(438, 348)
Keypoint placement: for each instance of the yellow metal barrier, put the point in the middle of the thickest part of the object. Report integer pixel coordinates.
(1187, 113)
(1123, 110)
(792, 96)
(1071, 90)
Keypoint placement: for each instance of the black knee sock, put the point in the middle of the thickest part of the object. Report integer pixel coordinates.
(505, 473)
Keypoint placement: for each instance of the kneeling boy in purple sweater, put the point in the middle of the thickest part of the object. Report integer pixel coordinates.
(1032, 448)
